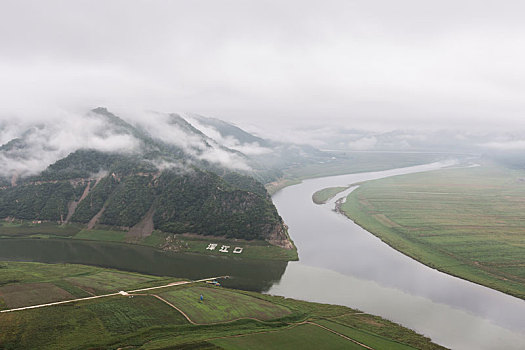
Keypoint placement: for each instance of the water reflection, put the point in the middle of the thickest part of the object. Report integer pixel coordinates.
(247, 274)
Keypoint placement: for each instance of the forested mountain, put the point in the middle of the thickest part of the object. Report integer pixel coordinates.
(178, 186)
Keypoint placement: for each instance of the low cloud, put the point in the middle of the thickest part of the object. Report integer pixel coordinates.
(164, 127)
(505, 145)
(45, 140)
(250, 149)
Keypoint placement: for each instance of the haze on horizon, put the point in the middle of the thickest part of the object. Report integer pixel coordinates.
(367, 64)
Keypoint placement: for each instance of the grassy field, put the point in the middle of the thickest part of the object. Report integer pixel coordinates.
(373, 340)
(90, 324)
(220, 305)
(24, 284)
(467, 222)
(146, 322)
(324, 195)
(28, 229)
(305, 337)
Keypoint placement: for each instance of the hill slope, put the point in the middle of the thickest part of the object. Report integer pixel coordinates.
(178, 186)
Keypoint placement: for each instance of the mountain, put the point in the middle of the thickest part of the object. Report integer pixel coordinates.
(173, 184)
(227, 130)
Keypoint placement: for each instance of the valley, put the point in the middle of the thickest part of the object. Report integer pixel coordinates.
(168, 212)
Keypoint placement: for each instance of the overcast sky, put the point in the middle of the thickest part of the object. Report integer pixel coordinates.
(369, 63)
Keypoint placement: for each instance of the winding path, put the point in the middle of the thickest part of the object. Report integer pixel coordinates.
(125, 293)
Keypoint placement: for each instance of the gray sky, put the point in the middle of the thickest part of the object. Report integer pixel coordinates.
(367, 63)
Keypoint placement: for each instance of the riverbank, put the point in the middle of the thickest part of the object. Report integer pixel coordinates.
(464, 222)
(342, 263)
(181, 243)
(182, 315)
(352, 162)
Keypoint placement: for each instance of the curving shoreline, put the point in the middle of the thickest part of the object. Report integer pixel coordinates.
(402, 239)
(341, 263)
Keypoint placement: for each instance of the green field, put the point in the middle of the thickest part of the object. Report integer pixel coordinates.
(467, 222)
(24, 284)
(228, 319)
(324, 195)
(373, 340)
(305, 337)
(84, 325)
(220, 305)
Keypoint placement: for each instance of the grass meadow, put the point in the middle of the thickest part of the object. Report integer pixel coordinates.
(467, 222)
(324, 195)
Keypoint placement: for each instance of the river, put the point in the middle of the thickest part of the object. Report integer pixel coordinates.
(341, 263)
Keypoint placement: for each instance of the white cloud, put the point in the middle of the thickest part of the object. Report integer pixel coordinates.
(253, 148)
(505, 145)
(158, 125)
(380, 63)
(54, 137)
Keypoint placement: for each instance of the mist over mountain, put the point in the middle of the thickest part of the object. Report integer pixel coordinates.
(165, 175)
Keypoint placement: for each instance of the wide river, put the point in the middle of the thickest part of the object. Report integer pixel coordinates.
(341, 263)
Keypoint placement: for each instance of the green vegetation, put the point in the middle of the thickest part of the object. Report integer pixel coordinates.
(324, 195)
(24, 284)
(246, 183)
(305, 336)
(220, 305)
(182, 201)
(228, 319)
(90, 324)
(253, 249)
(466, 222)
(80, 164)
(373, 340)
(274, 187)
(95, 200)
(102, 235)
(24, 228)
(18, 295)
(46, 201)
(104, 281)
(129, 202)
(202, 202)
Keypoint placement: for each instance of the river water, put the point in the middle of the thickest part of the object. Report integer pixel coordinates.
(342, 263)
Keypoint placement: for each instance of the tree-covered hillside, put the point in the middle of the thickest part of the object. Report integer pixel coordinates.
(119, 190)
